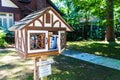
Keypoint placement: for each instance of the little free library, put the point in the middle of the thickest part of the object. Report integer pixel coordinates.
(42, 32)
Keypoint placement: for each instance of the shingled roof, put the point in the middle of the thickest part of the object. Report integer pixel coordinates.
(33, 16)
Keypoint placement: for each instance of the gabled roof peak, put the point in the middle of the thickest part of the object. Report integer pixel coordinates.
(35, 15)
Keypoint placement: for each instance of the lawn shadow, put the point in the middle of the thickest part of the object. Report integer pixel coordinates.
(74, 69)
(25, 76)
(103, 49)
(7, 66)
(7, 52)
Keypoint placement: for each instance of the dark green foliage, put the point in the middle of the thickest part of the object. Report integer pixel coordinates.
(87, 12)
(10, 37)
(2, 39)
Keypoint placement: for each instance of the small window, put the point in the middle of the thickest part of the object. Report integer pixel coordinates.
(5, 23)
(10, 15)
(10, 22)
(37, 41)
(1, 14)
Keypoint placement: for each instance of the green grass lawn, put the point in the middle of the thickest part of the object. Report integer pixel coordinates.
(12, 67)
(96, 47)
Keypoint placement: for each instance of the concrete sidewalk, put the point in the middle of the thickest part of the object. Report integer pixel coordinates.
(7, 49)
(104, 61)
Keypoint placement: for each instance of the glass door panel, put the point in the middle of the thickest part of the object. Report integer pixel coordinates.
(37, 41)
(5, 24)
(62, 41)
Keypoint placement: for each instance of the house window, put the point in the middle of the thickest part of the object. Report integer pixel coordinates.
(5, 23)
(6, 20)
(10, 22)
(10, 15)
(2, 14)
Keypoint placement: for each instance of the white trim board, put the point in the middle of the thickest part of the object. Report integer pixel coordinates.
(8, 3)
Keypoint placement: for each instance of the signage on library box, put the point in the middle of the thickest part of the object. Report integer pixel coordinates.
(45, 70)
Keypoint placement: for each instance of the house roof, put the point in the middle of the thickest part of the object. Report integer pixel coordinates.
(33, 16)
(55, 7)
(23, 7)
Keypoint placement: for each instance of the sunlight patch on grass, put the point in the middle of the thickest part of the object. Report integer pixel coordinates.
(12, 67)
(102, 48)
(56, 70)
(117, 47)
(15, 70)
(7, 59)
(98, 53)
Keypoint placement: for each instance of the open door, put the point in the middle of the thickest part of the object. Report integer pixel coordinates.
(37, 41)
(62, 41)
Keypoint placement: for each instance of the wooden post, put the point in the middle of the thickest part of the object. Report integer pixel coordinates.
(36, 74)
(36, 68)
(44, 58)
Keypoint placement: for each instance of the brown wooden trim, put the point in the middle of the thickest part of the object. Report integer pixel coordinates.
(36, 68)
(41, 14)
(40, 22)
(52, 19)
(42, 53)
(19, 40)
(48, 17)
(55, 12)
(34, 24)
(16, 38)
(43, 20)
(26, 41)
(23, 40)
(59, 16)
(27, 25)
(59, 24)
(65, 40)
(46, 28)
(55, 22)
(22, 54)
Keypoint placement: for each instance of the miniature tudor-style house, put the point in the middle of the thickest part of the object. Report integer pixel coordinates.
(41, 33)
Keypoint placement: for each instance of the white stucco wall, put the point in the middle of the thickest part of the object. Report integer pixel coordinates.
(8, 3)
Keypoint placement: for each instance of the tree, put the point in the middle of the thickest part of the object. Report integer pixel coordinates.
(110, 37)
(77, 10)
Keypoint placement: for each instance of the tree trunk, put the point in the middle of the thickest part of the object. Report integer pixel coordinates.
(110, 37)
(86, 27)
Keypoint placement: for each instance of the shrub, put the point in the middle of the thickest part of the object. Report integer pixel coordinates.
(9, 37)
(2, 39)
